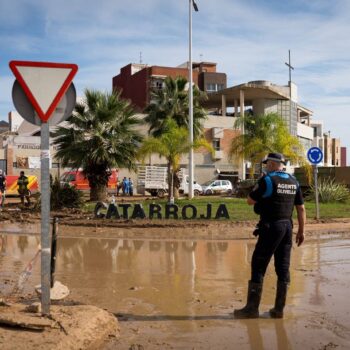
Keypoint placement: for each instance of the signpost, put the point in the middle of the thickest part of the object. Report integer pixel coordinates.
(44, 91)
(315, 156)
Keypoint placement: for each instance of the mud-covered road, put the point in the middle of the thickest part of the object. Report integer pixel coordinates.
(175, 287)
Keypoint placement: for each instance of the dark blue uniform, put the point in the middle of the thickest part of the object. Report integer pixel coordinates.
(276, 194)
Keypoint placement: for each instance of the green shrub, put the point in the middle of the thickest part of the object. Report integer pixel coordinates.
(244, 187)
(65, 196)
(330, 191)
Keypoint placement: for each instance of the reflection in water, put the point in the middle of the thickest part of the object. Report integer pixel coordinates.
(178, 280)
(254, 334)
(283, 342)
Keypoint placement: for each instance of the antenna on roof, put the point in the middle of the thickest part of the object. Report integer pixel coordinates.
(201, 57)
(140, 57)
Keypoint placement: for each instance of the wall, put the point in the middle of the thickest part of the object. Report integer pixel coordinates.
(336, 152)
(343, 159)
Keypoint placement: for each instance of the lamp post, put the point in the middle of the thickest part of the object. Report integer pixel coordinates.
(190, 97)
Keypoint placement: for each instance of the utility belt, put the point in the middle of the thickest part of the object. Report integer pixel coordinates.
(264, 225)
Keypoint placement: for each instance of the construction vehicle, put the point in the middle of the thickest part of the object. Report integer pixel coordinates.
(77, 179)
(12, 185)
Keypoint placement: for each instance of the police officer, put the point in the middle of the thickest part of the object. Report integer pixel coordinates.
(274, 197)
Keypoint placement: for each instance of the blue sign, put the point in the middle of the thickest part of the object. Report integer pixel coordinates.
(315, 155)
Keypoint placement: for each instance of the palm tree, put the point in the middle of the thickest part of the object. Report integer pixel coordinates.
(264, 134)
(171, 144)
(172, 102)
(100, 136)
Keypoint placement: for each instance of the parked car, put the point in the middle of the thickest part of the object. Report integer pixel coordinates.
(217, 187)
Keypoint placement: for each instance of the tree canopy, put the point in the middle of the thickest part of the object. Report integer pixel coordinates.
(100, 136)
(264, 134)
(171, 144)
(171, 102)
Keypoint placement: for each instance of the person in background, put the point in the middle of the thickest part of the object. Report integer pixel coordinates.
(131, 187)
(23, 188)
(125, 186)
(2, 188)
(274, 198)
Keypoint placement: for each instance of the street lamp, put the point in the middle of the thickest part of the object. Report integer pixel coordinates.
(190, 97)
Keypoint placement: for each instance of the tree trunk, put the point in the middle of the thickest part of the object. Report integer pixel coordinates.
(170, 182)
(176, 184)
(98, 192)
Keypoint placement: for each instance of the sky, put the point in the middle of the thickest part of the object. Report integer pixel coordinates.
(248, 39)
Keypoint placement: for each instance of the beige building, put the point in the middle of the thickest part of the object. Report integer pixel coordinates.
(331, 147)
(20, 150)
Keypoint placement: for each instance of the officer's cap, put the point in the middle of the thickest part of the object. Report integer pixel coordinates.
(276, 157)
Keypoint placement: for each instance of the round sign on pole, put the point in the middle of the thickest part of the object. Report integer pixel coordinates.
(23, 106)
(315, 155)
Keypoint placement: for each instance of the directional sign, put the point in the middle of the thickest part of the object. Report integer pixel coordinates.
(315, 155)
(44, 83)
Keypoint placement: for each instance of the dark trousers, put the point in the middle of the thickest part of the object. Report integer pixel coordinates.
(275, 238)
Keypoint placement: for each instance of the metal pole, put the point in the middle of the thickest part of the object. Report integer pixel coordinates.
(316, 192)
(45, 219)
(241, 102)
(190, 97)
(53, 251)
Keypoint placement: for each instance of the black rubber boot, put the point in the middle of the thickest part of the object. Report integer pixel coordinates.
(251, 310)
(280, 302)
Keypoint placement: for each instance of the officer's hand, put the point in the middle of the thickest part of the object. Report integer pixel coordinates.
(299, 238)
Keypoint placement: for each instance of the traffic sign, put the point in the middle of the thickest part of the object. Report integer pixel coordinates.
(62, 111)
(39, 94)
(44, 83)
(315, 155)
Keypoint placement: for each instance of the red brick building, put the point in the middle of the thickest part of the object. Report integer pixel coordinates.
(136, 81)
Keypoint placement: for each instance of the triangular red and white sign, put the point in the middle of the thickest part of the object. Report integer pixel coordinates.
(44, 83)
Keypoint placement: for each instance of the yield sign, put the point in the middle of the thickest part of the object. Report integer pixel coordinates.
(44, 83)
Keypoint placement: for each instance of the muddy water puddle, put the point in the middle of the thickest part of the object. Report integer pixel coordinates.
(180, 294)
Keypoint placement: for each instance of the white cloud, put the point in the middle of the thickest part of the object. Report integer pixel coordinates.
(249, 40)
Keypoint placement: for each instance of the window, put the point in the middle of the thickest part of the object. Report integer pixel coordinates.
(216, 144)
(211, 87)
(68, 177)
(3, 165)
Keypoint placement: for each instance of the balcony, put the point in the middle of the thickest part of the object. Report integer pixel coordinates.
(305, 131)
(217, 133)
(218, 155)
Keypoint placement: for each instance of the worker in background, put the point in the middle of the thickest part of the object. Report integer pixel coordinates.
(23, 188)
(2, 188)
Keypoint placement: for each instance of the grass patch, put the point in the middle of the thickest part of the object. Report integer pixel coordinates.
(238, 208)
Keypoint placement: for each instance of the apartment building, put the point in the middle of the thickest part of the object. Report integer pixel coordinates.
(137, 81)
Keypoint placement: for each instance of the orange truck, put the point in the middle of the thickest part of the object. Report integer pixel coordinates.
(12, 186)
(77, 179)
